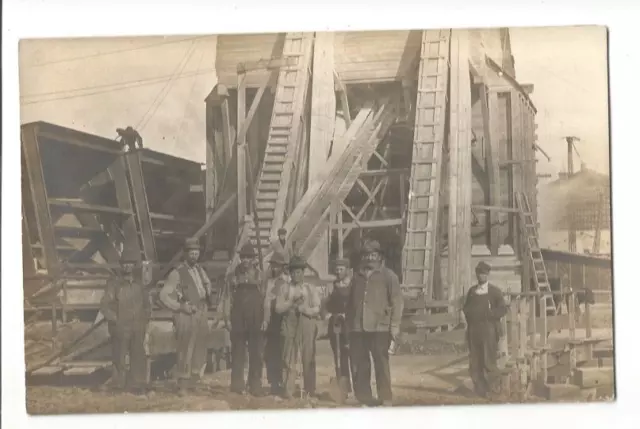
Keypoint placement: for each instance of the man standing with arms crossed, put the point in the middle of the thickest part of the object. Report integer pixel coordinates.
(186, 292)
(374, 311)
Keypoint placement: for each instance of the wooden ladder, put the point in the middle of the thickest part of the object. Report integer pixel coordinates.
(419, 251)
(288, 109)
(534, 253)
(309, 228)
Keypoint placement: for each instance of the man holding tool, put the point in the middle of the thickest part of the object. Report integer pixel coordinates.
(336, 305)
(186, 292)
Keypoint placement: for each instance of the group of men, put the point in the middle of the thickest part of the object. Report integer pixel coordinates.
(274, 319)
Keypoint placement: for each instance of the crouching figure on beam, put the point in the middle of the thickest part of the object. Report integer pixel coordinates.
(187, 292)
(483, 309)
(127, 307)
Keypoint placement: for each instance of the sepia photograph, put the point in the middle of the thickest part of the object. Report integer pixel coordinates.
(269, 221)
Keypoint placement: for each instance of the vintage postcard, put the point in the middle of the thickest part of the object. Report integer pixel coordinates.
(316, 220)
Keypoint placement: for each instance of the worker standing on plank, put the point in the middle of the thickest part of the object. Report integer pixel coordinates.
(299, 304)
(244, 314)
(336, 305)
(186, 292)
(483, 309)
(374, 311)
(127, 307)
(272, 322)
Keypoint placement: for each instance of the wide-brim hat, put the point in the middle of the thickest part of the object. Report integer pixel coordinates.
(297, 262)
(129, 256)
(247, 251)
(192, 244)
(278, 258)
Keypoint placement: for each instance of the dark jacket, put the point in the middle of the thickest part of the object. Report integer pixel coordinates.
(375, 303)
(489, 308)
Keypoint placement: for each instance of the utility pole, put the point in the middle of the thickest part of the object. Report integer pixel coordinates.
(573, 245)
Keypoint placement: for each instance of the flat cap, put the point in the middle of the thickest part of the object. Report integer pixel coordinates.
(191, 244)
(342, 262)
(371, 246)
(483, 268)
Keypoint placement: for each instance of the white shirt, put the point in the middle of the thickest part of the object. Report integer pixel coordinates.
(195, 275)
(482, 289)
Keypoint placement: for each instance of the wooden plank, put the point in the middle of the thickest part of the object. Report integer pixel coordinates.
(492, 155)
(44, 225)
(460, 173)
(47, 370)
(368, 224)
(593, 377)
(241, 147)
(123, 197)
(94, 208)
(79, 143)
(80, 370)
(344, 101)
(228, 133)
(141, 205)
(429, 320)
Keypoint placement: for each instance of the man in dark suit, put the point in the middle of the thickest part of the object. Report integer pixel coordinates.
(484, 308)
(373, 314)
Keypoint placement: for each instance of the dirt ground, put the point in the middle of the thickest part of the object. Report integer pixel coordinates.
(417, 380)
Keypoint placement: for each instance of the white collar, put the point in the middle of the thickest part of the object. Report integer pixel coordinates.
(482, 289)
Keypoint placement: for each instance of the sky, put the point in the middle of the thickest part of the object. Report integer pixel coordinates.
(79, 83)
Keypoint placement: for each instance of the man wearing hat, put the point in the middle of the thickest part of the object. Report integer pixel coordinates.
(483, 309)
(244, 314)
(373, 315)
(186, 292)
(127, 307)
(336, 305)
(273, 321)
(299, 304)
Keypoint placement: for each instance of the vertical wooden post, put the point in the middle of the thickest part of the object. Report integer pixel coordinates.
(489, 103)
(589, 329)
(241, 147)
(340, 232)
(118, 172)
(513, 328)
(460, 176)
(543, 338)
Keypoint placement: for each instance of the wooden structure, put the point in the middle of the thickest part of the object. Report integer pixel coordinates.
(84, 200)
(417, 138)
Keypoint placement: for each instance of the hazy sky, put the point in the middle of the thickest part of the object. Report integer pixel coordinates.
(74, 84)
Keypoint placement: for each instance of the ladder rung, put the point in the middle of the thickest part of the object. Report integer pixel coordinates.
(425, 161)
(425, 141)
(418, 248)
(430, 210)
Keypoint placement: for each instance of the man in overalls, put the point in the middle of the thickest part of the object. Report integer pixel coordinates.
(483, 309)
(336, 305)
(186, 292)
(374, 311)
(272, 322)
(244, 314)
(299, 304)
(127, 307)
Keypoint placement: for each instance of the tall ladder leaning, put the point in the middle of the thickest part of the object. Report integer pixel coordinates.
(534, 253)
(418, 254)
(283, 140)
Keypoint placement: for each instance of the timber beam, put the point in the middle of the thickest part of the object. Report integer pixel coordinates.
(344, 101)
(269, 64)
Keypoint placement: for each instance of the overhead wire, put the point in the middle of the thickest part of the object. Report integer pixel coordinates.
(108, 88)
(188, 103)
(159, 99)
(118, 51)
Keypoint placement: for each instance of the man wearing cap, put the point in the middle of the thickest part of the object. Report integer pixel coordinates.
(280, 245)
(483, 309)
(336, 305)
(299, 304)
(244, 314)
(272, 322)
(373, 315)
(186, 292)
(127, 307)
